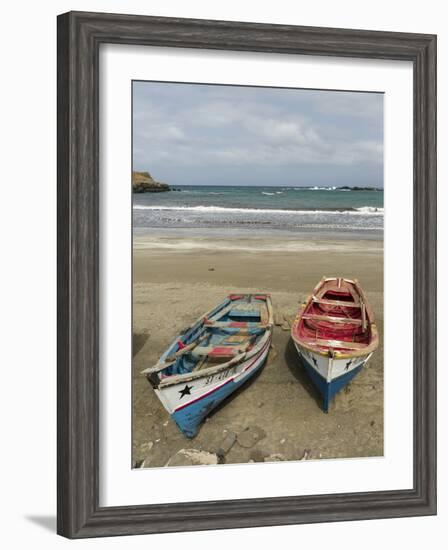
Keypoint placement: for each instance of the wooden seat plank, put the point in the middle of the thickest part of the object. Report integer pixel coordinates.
(335, 303)
(329, 318)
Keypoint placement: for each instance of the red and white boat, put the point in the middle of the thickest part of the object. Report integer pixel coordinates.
(335, 334)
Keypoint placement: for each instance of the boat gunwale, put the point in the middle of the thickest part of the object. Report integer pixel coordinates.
(187, 376)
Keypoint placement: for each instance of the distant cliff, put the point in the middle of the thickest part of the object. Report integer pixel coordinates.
(143, 182)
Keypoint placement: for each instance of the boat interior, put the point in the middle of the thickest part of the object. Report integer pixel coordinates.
(230, 330)
(336, 312)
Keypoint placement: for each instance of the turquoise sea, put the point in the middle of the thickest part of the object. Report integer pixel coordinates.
(292, 209)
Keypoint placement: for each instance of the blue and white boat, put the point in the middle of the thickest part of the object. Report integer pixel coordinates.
(212, 358)
(335, 335)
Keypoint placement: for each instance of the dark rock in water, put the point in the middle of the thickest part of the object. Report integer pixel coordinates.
(357, 188)
(250, 436)
(143, 182)
(211, 269)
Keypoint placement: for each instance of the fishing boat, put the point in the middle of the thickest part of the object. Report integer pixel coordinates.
(212, 358)
(334, 334)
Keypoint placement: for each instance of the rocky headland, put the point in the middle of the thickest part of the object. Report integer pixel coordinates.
(143, 182)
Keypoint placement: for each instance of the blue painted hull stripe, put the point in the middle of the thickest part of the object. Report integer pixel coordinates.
(329, 389)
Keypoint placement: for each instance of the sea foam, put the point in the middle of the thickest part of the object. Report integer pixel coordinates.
(362, 211)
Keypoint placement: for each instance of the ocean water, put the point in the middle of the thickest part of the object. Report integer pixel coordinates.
(292, 209)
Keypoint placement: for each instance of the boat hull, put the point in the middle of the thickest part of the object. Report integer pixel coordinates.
(330, 375)
(190, 402)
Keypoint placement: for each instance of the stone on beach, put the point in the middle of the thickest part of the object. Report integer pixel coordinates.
(226, 444)
(192, 457)
(290, 318)
(257, 455)
(284, 321)
(147, 446)
(250, 436)
(306, 454)
(275, 457)
(278, 319)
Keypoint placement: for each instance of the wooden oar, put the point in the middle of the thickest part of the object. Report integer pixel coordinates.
(171, 359)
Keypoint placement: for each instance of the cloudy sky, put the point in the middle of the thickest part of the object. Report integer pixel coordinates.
(194, 134)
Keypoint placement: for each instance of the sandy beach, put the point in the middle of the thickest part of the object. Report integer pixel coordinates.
(179, 277)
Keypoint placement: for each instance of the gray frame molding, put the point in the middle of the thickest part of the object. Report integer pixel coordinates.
(79, 37)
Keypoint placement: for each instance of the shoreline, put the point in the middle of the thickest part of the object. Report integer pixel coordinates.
(257, 233)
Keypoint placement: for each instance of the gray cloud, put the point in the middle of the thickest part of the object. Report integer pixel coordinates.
(203, 134)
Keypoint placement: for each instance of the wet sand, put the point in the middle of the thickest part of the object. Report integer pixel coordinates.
(176, 279)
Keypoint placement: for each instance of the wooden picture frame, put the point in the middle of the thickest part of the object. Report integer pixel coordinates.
(79, 38)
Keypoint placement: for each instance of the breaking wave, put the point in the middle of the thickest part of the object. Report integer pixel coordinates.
(364, 210)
